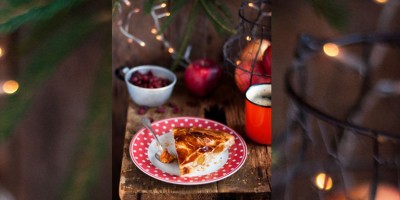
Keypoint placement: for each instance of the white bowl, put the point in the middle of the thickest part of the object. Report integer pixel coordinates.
(151, 97)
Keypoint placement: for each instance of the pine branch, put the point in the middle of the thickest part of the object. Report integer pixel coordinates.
(178, 4)
(45, 61)
(333, 11)
(224, 10)
(187, 34)
(215, 17)
(148, 5)
(92, 148)
(12, 18)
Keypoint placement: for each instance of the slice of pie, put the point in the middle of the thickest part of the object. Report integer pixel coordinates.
(197, 147)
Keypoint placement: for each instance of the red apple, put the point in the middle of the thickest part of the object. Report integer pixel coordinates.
(244, 71)
(202, 76)
(266, 60)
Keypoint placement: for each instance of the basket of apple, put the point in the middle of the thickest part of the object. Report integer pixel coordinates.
(248, 52)
(254, 66)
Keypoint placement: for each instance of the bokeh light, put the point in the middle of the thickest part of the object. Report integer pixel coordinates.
(331, 49)
(248, 38)
(10, 86)
(380, 1)
(323, 181)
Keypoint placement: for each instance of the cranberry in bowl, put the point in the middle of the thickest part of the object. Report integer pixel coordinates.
(148, 85)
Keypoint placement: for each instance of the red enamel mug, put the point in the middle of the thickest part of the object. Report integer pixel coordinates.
(258, 113)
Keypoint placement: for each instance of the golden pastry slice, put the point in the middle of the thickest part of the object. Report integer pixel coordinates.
(197, 147)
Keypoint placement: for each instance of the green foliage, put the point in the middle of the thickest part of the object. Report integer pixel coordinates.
(188, 33)
(148, 5)
(45, 60)
(58, 34)
(334, 12)
(21, 12)
(216, 11)
(95, 135)
(175, 7)
(218, 15)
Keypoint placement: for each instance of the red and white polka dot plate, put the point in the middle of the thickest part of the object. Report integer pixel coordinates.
(142, 149)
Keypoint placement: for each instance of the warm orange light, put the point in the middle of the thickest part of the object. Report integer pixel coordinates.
(250, 4)
(142, 44)
(248, 38)
(154, 30)
(171, 50)
(136, 10)
(167, 14)
(158, 37)
(10, 86)
(323, 181)
(381, 1)
(163, 5)
(238, 62)
(1, 52)
(331, 49)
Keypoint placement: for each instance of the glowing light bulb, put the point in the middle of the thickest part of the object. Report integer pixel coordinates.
(1, 52)
(136, 10)
(154, 30)
(323, 181)
(250, 4)
(248, 38)
(130, 40)
(167, 14)
(158, 37)
(238, 62)
(10, 86)
(171, 50)
(331, 49)
(163, 5)
(380, 1)
(128, 3)
(142, 44)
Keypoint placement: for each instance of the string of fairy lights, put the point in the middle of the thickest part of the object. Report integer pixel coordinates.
(158, 12)
(383, 88)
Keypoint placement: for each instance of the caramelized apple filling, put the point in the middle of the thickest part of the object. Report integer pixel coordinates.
(166, 157)
(197, 147)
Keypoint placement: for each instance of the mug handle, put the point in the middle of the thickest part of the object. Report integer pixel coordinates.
(120, 72)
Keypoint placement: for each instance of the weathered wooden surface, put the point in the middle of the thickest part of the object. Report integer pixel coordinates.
(205, 42)
(225, 104)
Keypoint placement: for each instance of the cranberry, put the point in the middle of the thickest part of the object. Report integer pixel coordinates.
(160, 109)
(175, 110)
(142, 110)
(151, 119)
(148, 80)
